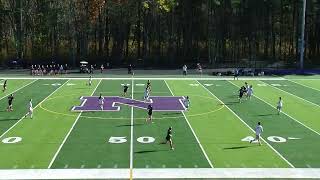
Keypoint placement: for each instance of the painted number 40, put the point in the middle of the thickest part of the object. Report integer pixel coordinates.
(120, 140)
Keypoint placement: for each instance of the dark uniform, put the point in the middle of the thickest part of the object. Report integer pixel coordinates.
(10, 99)
(5, 85)
(148, 84)
(125, 88)
(169, 134)
(150, 108)
(241, 92)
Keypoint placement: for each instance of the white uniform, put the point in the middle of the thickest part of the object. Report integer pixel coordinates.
(90, 81)
(146, 94)
(101, 102)
(259, 130)
(279, 106)
(250, 91)
(30, 109)
(186, 103)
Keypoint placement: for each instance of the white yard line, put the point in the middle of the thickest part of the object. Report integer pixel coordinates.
(66, 137)
(247, 125)
(18, 89)
(131, 133)
(304, 85)
(292, 95)
(33, 109)
(283, 112)
(194, 134)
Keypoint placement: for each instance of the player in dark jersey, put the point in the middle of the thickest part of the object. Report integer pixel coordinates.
(241, 92)
(149, 85)
(10, 99)
(169, 138)
(4, 85)
(149, 109)
(125, 90)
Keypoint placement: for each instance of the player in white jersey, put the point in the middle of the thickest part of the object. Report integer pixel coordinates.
(146, 94)
(279, 105)
(258, 130)
(186, 102)
(90, 81)
(249, 92)
(101, 102)
(30, 109)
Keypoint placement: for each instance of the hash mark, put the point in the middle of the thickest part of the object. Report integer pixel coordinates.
(99, 166)
(115, 166)
(147, 166)
(82, 166)
(66, 166)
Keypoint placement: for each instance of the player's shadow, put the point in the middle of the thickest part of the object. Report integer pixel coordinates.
(148, 151)
(236, 147)
(264, 115)
(128, 125)
(9, 119)
(230, 103)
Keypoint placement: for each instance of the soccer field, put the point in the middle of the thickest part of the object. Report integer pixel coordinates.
(214, 132)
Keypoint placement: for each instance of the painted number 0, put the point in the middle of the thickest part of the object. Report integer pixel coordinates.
(11, 140)
(120, 140)
(276, 139)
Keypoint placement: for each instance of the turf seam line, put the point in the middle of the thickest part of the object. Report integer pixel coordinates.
(293, 95)
(304, 85)
(18, 89)
(131, 133)
(70, 130)
(284, 113)
(246, 124)
(194, 134)
(33, 109)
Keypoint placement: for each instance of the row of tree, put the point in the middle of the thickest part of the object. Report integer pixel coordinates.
(158, 32)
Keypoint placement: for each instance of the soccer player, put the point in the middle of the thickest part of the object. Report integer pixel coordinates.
(249, 92)
(241, 92)
(10, 99)
(149, 85)
(169, 138)
(199, 68)
(279, 105)
(90, 81)
(258, 130)
(236, 74)
(146, 94)
(186, 102)
(125, 90)
(30, 109)
(149, 109)
(4, 86)
(184, 70)
(101, 102)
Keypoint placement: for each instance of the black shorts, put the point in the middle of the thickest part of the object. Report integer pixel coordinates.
(125, 90)
(150, 113)
(240, 95)
(168, 138)
(10, 103)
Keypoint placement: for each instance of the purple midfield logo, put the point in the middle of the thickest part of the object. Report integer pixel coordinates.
(112, 103)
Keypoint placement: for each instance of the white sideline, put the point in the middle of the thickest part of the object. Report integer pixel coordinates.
(194, 134)
(33, 109)
(66, 137)
(247, 124)
(169, 173)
